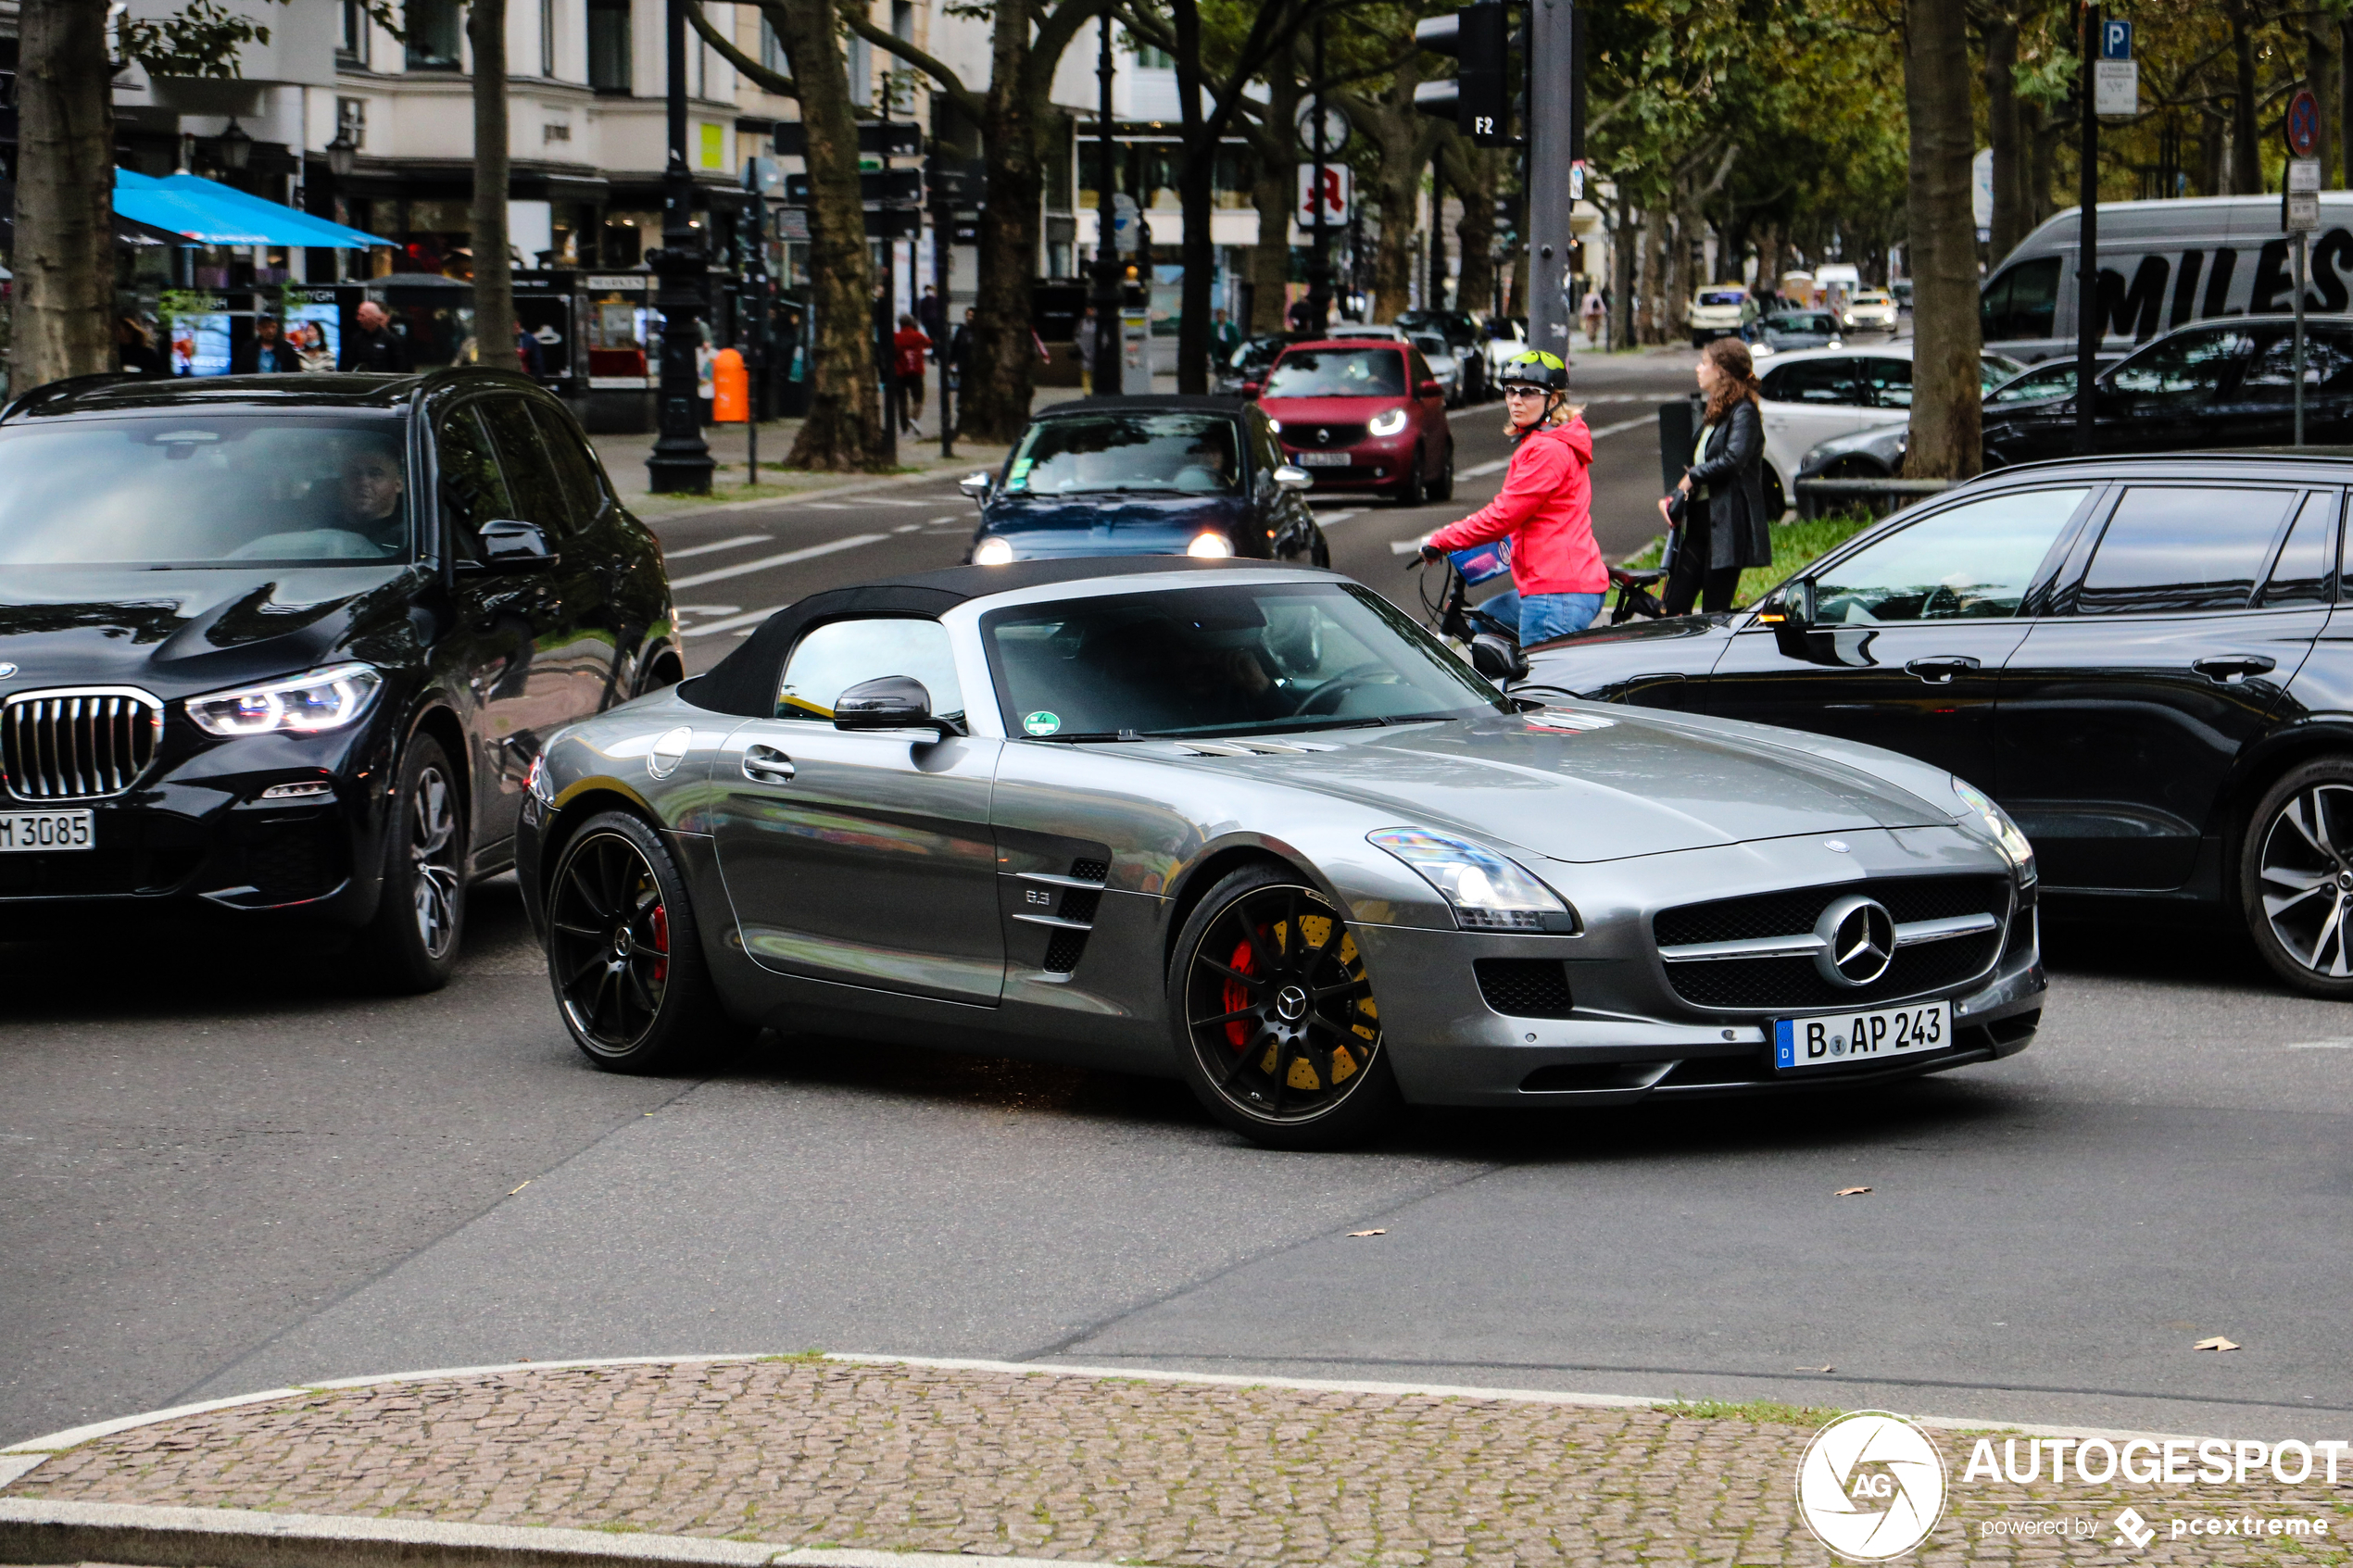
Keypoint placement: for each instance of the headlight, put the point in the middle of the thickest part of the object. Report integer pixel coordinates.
(1210, 547)
(542, 788)
(1275, 425)
(1388, 423)
(323, 699)
(1486, 891)
(1998, 827)
(992, 551)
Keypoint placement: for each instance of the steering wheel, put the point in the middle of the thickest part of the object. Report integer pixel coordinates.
(1324, 701)
(1946, 594)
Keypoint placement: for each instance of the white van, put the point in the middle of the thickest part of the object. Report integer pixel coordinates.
(2163, 263)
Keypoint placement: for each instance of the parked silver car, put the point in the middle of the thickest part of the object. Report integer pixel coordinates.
(1251, 826)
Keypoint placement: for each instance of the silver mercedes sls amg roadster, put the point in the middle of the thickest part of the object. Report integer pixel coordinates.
(1251, 826)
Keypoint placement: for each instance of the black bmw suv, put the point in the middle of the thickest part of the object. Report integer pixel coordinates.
(284, 646)
(2142, 661)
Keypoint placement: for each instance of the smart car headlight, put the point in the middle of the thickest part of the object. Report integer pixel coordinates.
(995, 550)
(1982, 812)
(320, 700)
(1388, 423)
(1486, 891)
(1210, 547)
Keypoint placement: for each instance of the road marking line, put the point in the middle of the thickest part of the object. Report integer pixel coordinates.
(1328, 519)
(827, 507)
(1625, 424)
(746, 620)
(1404, 546)
(2322, 1045)
(764, 562)
(736, 543)
(936, 521)
(706, 609)
(1483, 469)
(907, 528)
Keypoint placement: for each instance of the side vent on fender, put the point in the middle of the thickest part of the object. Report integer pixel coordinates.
(1074, 916)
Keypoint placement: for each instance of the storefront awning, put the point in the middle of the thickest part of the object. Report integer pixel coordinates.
(210, 213)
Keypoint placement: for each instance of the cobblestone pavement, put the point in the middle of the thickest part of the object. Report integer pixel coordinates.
(803, 1451)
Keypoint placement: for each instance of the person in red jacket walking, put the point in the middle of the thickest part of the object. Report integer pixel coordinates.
(1546, 508)
(908, 347)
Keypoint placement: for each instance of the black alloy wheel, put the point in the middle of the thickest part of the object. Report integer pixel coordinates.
(2296, 878)
(1412, 491)
(623, 952)
(421, 914)
(1277, 1031)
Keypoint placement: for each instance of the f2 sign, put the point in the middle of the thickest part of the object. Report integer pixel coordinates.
(1337, 190)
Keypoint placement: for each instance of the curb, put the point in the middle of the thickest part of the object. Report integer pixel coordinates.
(238, 1537)
(948, 472)
(32, 1531)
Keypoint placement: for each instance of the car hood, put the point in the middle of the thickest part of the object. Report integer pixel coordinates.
(1330, 410)
(1632, 784)
(175, 632)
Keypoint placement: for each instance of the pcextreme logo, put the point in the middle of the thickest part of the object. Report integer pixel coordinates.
(1871, 1486)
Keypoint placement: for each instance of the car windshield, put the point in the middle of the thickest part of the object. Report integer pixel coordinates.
(1339, 373)
(1802, 321)
(1223, 660)
(1723, 297)
(1432, 345)
(1870, 297)
(1192, 454)
(203, 490)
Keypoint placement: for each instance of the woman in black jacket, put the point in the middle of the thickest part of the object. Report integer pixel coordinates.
(1718, 511)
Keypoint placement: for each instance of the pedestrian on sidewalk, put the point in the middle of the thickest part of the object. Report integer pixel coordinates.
(1592, 314)
(907, 346)
(374, 345)
(1716, 513)
(931, 315)
(1085, 347)
(1224, 337)
(960, 349)
(1545, 507)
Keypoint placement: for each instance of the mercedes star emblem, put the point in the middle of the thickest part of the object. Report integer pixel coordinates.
(1858, 941)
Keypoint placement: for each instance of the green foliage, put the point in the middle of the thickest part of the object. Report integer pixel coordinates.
(1766, 1411)
(204, 37)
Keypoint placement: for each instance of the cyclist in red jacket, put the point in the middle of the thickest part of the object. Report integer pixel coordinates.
(1546, 508)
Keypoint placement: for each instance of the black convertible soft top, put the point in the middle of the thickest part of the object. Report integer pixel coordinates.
(745, 681)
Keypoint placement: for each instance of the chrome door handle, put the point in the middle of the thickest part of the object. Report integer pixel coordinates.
(2236, 665)
(765, 764)
(1940, 672)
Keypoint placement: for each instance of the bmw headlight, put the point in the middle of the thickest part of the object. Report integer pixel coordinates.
(321, 699)
(1486, 891)
(995, 550)
(1998, 827)
(1388, 423)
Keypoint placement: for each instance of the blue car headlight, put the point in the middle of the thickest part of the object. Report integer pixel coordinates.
(1993, 824)
(1487, 891)
(321, 699)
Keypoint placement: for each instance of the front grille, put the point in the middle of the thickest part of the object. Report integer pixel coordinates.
(1793, 985)
(78, 744)
(1323, 438)
(1525, 988)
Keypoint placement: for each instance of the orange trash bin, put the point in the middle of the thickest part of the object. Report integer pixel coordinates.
(730, 388)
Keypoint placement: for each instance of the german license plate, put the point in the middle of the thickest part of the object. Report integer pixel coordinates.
(1323, 460)
(23, 832)
(1845, 1039)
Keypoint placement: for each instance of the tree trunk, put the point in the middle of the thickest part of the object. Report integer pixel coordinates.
(1195, 198)
(2320, 70)
(1947, 415)
(843, 432)
(64, 257)
(1275, 192)
(2246, 166)
(1768, 257)
(494, 277)
(1004, 364)
(1621, 284)
(1651, 315)
(1403, 139)
(1474, 178)
(2005, 132)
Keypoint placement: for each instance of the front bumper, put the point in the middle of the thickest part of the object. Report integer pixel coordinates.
(1375, 463)
(194, 838)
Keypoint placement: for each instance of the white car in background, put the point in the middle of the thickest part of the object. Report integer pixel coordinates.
(1443, 364)
(1367, 329)
(1872, 312)
(1812, 395)
(1506, 339)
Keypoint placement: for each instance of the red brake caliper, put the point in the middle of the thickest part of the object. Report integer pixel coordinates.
(661, 941)
(1237, 996)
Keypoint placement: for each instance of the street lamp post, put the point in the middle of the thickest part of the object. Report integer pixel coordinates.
(680, 463)
(1108, 297)
(343, 154)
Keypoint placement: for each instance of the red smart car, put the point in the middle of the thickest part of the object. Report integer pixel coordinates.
(1363, 414)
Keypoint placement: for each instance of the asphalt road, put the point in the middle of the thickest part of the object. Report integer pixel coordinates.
(226, 1172)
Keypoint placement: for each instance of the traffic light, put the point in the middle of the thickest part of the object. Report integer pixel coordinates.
(1477, 98)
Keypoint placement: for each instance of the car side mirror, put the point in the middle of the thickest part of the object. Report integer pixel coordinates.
(1290, 478)
(978, 486)
(511, 545)
(1430, 389)
(1498, 657)
(890, 702)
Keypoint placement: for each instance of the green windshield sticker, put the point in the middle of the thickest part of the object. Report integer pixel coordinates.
(1042, 723)
(1021, 467)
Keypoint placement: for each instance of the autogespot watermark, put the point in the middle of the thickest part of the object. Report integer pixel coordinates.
(1872, 1485)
